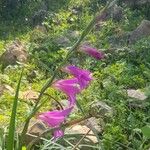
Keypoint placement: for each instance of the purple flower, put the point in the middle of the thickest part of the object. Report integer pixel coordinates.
(55, 118)
(69, 86)
(83, 76)
(92, 52)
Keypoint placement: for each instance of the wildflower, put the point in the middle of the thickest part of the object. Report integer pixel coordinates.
(92, 52)
(69, 86)
(55, 118)
(83, 76)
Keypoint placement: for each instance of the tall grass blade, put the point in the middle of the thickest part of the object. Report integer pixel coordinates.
(11, 133)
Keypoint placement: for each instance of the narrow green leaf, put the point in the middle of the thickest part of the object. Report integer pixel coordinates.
(11, 133)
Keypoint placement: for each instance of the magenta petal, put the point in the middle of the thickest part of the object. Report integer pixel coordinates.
(55, 118)
(72, 81)
(83, 83)
(83, 76)
(77, 72)
(58, 133)
(69, 86)
(92, 52)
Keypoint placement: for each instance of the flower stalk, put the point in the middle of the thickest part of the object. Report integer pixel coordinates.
(50, 81)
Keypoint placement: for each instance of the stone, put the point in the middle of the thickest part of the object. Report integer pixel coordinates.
(137, 94)
(73, 34)
(29, 95)
(6, 88)
(1, 90)
(36, 127)
(97, 124)
(41, 28)
(31, 76)
(81, 129)
(62, 41)
(143, 30)
(117, 13)
(136, 2)
(14, 52)
(76, 10)
(100, 109)
(38, 17)
(137, 99)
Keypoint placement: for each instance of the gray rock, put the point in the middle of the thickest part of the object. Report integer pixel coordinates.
(73, 34)
(143, 30)
(14, 52)
(137, 94)
(36, 128)
(117, 13)
(41, 28)
(100, 109)
(39, 17)
(29, 95)
(1, 90)
(76, 10)
(62, 41)
(6, 88)
(81, 129)
(136, 2)
(31, 76)
(97, 124)
(137, 99)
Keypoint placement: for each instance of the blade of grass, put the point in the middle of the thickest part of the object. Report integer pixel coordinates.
(11, 133)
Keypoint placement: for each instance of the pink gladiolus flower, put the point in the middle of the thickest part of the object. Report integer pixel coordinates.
(92, 52)
(77, 72)
(69, 86)
(55, 118)
(83, 76)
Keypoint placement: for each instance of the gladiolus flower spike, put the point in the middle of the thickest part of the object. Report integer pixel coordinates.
(71, 87)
